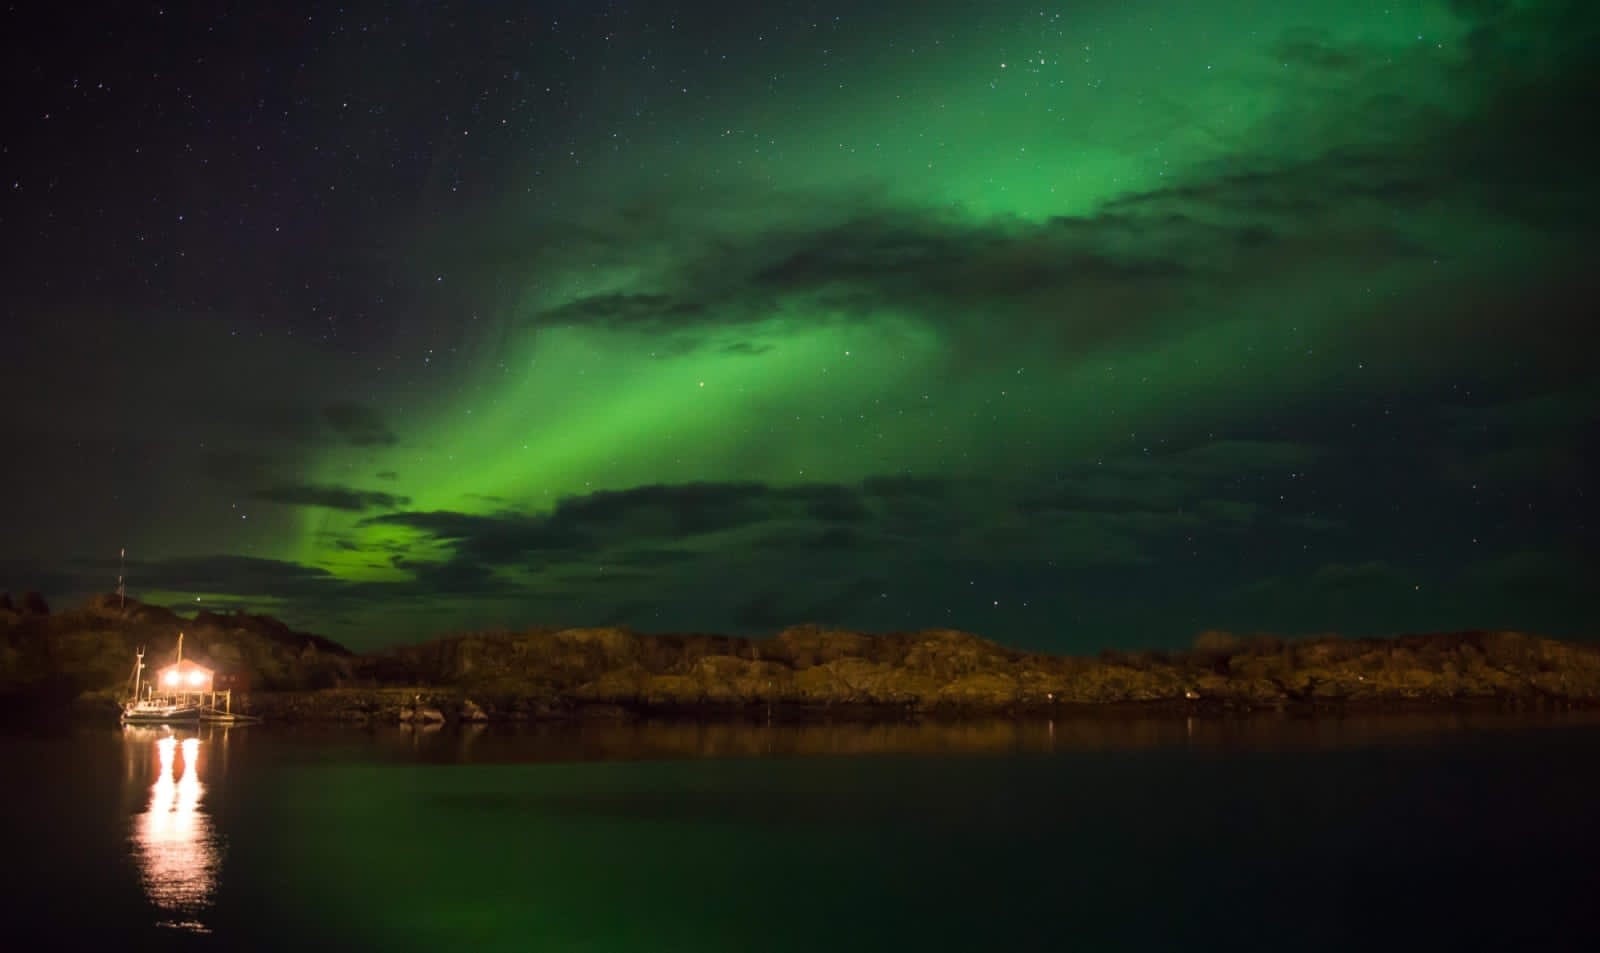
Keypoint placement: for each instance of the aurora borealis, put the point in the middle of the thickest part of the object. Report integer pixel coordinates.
(1096, 324)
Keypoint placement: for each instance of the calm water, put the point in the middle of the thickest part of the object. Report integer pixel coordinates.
(1416, 833)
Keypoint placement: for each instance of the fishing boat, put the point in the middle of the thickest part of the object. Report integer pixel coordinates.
(182, 693)
(150, 711)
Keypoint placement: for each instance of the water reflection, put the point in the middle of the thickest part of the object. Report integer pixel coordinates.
(582, 740)
(174, 840)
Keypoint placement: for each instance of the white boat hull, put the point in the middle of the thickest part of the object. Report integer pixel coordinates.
(147, 714)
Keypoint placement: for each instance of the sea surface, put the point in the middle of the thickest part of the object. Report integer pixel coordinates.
(1415, 832)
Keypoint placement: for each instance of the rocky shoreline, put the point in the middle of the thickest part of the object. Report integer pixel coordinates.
(79, 659)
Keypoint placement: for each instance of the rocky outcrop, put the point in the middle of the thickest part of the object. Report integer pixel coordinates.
(818, 673)
(90, 649)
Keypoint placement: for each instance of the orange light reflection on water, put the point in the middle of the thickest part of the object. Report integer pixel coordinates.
(173, 841)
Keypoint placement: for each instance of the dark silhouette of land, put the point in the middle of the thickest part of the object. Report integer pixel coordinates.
(82, 657)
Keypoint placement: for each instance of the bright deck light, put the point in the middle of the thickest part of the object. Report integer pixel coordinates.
(197, 678)
(171, 678)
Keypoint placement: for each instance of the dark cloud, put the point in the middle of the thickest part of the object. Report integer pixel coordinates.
(763, 612)
(1334, 585)
(1540, 574)
(359, 424)
(1143, 265)
(651, 558)
(1314, 49)
(236, 467)
(458, 577)
(1479, 10)
(943, 269)
(330, 497)
(1371, 143)
(835, 539)
(775, 609)
(281, 429)
(1542, 439)
(1120, 512)
(23, 575)
(280, 435)
(906, 487)
(233, 575)
(1177, 483)
(697, 508)
(616, 518)
(1333, 201)
(746, 349)
(1238, 458)
(498, 539)
(638, 612)
(1366, 577)
(627, 311)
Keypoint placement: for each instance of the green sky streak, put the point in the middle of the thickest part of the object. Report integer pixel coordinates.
(1019, 116)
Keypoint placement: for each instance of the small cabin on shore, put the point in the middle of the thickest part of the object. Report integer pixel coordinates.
(184, 677)
(184, 689)
(187, 682)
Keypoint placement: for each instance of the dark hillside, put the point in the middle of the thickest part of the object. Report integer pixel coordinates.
(52, 658)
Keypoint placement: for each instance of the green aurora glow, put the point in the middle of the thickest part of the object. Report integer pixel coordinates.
(1164, 259)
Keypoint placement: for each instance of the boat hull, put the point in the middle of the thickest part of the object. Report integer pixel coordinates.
(163, 715)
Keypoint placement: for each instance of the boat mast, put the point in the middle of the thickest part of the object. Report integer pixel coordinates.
(138, 667)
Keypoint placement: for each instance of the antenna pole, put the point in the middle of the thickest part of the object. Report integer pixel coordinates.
(122, 589)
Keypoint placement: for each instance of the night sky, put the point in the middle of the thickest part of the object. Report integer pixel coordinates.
(1094, 324)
